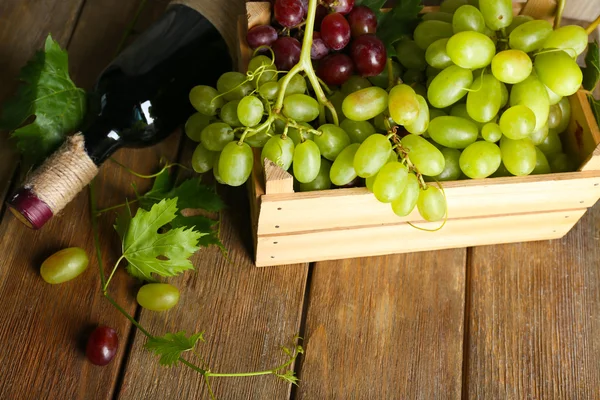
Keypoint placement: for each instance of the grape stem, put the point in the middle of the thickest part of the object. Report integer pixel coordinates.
(305, 65)
(590, 29)
(560, 7)
(132, 172)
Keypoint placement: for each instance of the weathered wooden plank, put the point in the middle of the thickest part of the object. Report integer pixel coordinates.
(385, 328)
(23, 29)
(246, 312)
(50, 323)
(533, 330)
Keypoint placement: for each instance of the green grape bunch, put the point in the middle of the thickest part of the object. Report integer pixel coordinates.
(470, 93)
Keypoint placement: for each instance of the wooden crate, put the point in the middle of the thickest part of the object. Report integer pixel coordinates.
(291, 227)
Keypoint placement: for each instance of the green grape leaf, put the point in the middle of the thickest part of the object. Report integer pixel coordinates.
(191, 194)
(48, 93)
(591, 73)
(398, 22)
(149, 252)
(172, 345)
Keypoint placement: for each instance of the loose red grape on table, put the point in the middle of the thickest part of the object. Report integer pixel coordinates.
(102, 345)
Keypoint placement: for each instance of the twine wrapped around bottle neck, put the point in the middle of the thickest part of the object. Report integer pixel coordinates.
(64, 174)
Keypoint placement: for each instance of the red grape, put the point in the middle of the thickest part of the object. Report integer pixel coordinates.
(340, 6)
(319, 15)
(287, 52)
(335, 69)
(304, 6)
(262, 35)
(362, 21)
(369, 55)
(319, 49)
(102, 345)
(289, 13)
(335, 31)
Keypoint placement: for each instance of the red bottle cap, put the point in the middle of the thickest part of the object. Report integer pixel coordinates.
(29, 209)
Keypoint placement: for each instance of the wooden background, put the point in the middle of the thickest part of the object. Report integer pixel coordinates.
(517, 321)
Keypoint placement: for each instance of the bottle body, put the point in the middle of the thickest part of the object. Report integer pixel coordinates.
(139, 100)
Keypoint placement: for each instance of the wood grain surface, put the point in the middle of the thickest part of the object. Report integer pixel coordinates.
(385, 328)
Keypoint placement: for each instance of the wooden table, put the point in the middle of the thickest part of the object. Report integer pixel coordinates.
(517, 321)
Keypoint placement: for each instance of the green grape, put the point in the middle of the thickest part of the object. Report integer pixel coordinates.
(540, 135)
(410, 55)
(518, 20)
(453, 132)
(517, 122)
(438, 16)
(412, 76)
(321, 182)
(250, 111)
(64, 265)
(501, 172)
(358, 131)
(407, 200)
(269, 72)
(562, 163)
(421, 123)
(555, 116)
(431, 204)
(235, 163)
(195, 124)
(565, 115)
(518, 156)
(216, 136)
(437, 56)
(372, 154)
(451, 170)
(260, 138)
(553, 98)
(532, 93)
(571, 38)
(530, 36)
(369, 182)
(541, 163)
(382, 80)
(279, 150)
(551, 145)
(491, 34)
(365, 104)
(428, 32)
(307, 161)
(390, 182)
(511, 66)
(332, 141)
(480, 160)
(432, 72)
(491, 132)
(504, 93)
(205, 100)
(233, 85)
(342, 171)
(468, 18)
(403, 104)
(420, 89)
(460, 110)
(337, 98)
(216, 170)
(300, 107)
(559, 72)
(449, 86)
(298, 136)
(497, 14)
(483, 102)
(450, 6)
(228, 113)
(471, 50)
(427, 158)
(354, 84)
(203, 159)
(296, 85)
(158, 296)
(380, 122)
(269, 90)
(436, 112)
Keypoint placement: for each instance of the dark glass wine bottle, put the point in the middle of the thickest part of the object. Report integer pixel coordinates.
(139, 100)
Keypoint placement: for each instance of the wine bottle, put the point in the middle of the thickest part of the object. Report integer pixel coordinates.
(139, 100)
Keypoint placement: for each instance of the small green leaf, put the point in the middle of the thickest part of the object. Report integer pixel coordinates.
(289, 376)
(149, 252)
(170, 346)
(398, 22)
(48, 93)
(591, 73)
